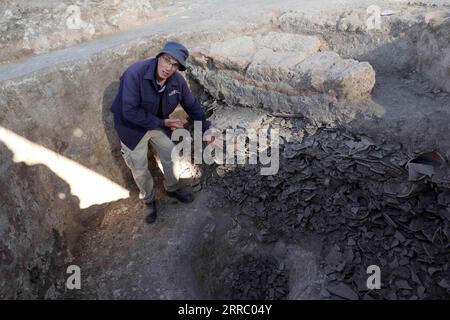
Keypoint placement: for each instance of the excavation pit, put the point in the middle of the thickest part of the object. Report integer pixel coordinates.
(341, 201)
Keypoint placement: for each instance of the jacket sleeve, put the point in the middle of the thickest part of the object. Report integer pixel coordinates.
(192, 107)
(131, 109)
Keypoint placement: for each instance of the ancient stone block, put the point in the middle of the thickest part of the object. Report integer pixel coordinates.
(350, 79)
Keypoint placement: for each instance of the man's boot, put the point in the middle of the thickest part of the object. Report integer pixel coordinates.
(182, 196)
(150, 212)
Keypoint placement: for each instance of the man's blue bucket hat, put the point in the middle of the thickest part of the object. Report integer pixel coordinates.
(177, 51)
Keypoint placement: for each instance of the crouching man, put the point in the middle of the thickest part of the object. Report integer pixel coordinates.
(149, 92)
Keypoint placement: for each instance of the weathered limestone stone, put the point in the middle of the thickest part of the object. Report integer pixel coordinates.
(278, 54)
(261, 54)
(285, 73)
(353, 21)
(234, 54)
(281, 41)
(310, 74)
(350, 79)
(273, 66)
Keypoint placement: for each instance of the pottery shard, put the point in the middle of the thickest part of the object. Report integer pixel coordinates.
(342, 290)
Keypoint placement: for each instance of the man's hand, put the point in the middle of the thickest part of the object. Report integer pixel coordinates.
(173, 123)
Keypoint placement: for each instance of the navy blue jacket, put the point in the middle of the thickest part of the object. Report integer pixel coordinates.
(136, 104)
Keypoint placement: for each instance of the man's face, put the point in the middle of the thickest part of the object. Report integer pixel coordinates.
(167, 66)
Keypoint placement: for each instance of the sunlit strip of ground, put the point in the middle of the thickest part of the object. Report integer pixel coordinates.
(90, 187)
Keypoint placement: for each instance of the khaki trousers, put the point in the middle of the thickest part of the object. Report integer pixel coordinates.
(137, 161)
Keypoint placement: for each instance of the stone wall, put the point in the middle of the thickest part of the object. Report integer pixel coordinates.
(283, 72)
(404, 39)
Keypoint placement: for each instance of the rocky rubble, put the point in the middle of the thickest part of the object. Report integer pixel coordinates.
(356, 193)
(282, 72)
(260, 278)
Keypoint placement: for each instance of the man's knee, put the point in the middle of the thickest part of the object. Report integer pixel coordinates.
(136, 164)
(165, 151)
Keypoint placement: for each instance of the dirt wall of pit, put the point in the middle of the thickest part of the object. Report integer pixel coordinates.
(64, 109)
